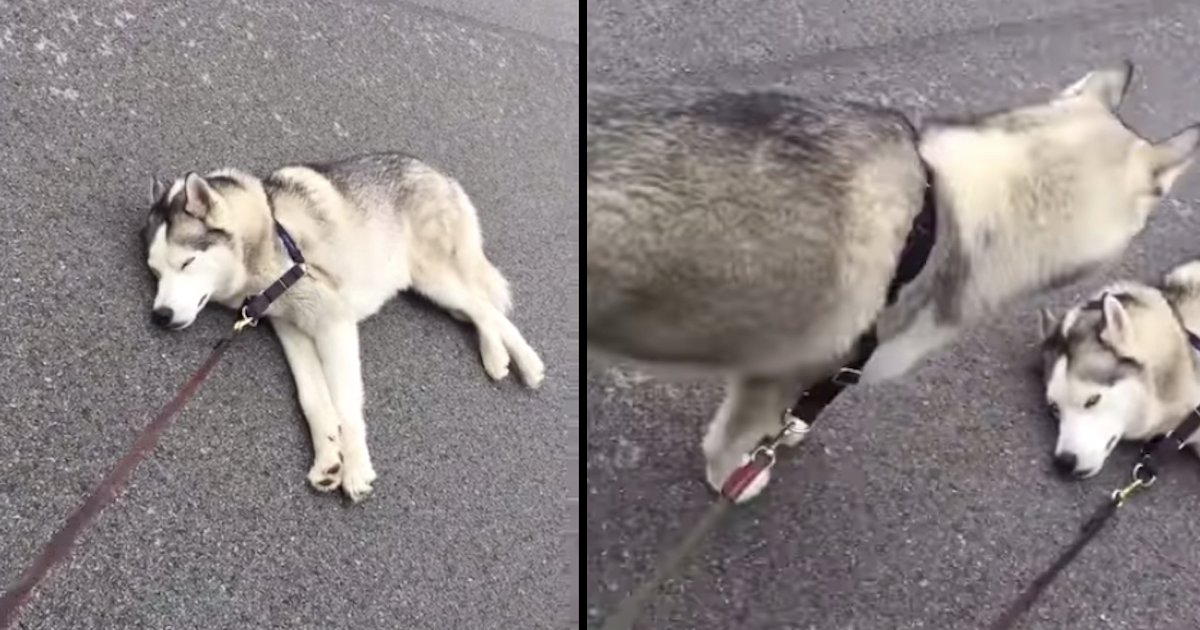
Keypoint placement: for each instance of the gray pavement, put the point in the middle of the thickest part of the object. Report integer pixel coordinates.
(475, 515)
(926, 503)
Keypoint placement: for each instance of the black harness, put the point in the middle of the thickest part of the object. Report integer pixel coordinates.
(922, 236)
(255, 306)
(1154, 451)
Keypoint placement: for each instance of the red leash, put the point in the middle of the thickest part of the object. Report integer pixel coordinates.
(64, 539)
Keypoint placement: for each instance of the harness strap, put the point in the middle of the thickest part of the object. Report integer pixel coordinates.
(1155, 452)
(918, 246)
(255, 306)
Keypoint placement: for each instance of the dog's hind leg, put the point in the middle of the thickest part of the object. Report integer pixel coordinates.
(323, 421)
(497, 335)
(752, 410)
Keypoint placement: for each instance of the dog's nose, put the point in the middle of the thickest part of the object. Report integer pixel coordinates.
(162, 317)
(1065, 463)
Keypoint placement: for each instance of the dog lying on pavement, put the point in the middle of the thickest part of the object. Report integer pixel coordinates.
(1122, 365)
(368, 227)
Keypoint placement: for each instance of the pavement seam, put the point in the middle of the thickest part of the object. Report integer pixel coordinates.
(1077, 20)
(499, 29)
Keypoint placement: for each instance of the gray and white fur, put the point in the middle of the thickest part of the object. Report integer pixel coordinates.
(369, 227)
(1119, 366)
(754, 233)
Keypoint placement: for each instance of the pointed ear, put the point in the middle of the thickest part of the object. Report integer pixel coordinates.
(1047, 323)
(1107, 85)
(1117, 327)
(198, 196)
(157, 190)
(1171, 157)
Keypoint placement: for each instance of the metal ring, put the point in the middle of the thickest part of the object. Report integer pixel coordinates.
(1137, 475)
(767, 451)
(847, 376)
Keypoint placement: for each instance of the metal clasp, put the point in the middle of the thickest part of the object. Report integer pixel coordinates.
(793, 427)
(1143, 477)
(1122, 495)
(1149, 478)
(245, 321)
(767, 451)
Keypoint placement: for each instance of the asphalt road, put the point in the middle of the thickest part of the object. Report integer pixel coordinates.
(930, 502)
(474, 519)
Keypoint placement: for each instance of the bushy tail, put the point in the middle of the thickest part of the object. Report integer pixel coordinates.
(485, 275)
(473, 263)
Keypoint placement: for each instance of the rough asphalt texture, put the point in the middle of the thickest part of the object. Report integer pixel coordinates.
(475, 515)
(927, 503)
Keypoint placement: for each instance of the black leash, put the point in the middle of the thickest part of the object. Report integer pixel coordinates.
(106, 492)
(1144, 474)
(796, 421)
(63, 541)
(1089, 530)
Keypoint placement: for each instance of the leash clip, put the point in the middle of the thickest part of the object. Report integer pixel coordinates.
(245, 321)
(1122, 495)
(793, 427)
(762, 458)
(1144, 474)
(1143, 477)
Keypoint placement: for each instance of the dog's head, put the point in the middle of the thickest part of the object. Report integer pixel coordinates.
(1104, 364)
(193, 246)
(1067, 174)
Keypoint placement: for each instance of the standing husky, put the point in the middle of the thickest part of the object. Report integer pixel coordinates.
(1122, 366)
(755, 233)
(369, 227)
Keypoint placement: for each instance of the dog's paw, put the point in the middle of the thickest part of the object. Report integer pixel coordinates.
(357, 477)
(326, 471)
(718, 474)
(533, 371)
(496, 365)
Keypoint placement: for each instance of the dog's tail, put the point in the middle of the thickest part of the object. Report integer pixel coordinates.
(478, 271)
(491, 281)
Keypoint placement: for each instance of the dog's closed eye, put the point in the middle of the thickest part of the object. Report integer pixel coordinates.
(1091, 402)
(186, 263)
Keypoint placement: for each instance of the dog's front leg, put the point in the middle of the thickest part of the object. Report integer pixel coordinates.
(337, 345)
(323, 421)
(752, 410)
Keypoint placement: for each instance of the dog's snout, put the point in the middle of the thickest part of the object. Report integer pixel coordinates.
(162, 317)
(1065, 463)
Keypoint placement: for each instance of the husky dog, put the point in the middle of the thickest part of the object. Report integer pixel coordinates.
(1122, 366)
(754, 233)
(369, 227)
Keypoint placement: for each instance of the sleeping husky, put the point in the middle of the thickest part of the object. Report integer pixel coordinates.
(1122, 366)
(367, 227)
(754, 234)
